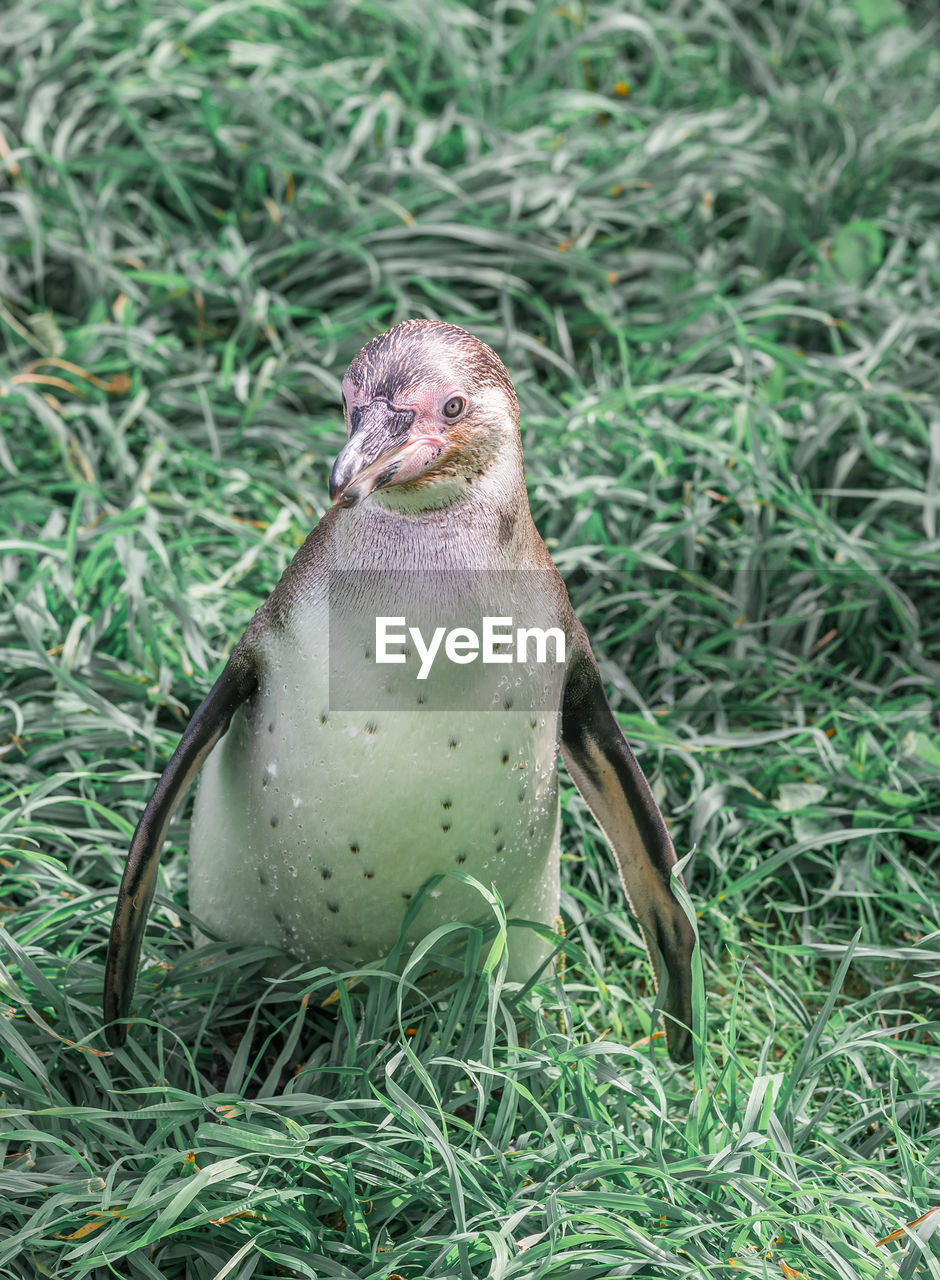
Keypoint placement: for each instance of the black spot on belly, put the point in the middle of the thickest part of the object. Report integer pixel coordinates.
(334, 907)
(507, 522)
(326, 873)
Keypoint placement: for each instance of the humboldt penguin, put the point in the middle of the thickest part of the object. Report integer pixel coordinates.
(347, 758)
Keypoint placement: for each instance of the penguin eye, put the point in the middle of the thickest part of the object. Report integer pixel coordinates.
(454, 407)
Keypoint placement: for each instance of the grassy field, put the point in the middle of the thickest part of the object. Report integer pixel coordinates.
(704, 238)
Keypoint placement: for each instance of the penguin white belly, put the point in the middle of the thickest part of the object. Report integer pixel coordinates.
(314, 828)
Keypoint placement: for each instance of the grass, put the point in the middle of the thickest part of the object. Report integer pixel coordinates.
(703, 238)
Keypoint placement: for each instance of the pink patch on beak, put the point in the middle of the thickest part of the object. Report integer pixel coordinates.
(418, 456)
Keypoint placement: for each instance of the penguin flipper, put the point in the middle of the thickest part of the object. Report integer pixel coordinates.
(234, 686)
(613, 786)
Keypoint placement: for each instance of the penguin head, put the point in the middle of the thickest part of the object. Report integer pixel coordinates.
(429, 408)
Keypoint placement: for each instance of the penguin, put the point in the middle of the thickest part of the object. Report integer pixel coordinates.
(381, 722)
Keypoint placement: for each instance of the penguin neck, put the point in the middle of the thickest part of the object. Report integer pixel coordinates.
(476, 522)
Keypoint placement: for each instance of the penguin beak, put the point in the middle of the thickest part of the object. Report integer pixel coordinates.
(382, 450)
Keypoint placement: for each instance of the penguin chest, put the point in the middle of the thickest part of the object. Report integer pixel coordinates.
(314, 828)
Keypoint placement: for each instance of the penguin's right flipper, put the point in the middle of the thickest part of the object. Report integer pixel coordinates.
(234, 686)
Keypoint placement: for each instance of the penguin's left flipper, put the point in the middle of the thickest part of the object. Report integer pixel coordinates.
(233, 687)
(607, 774)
